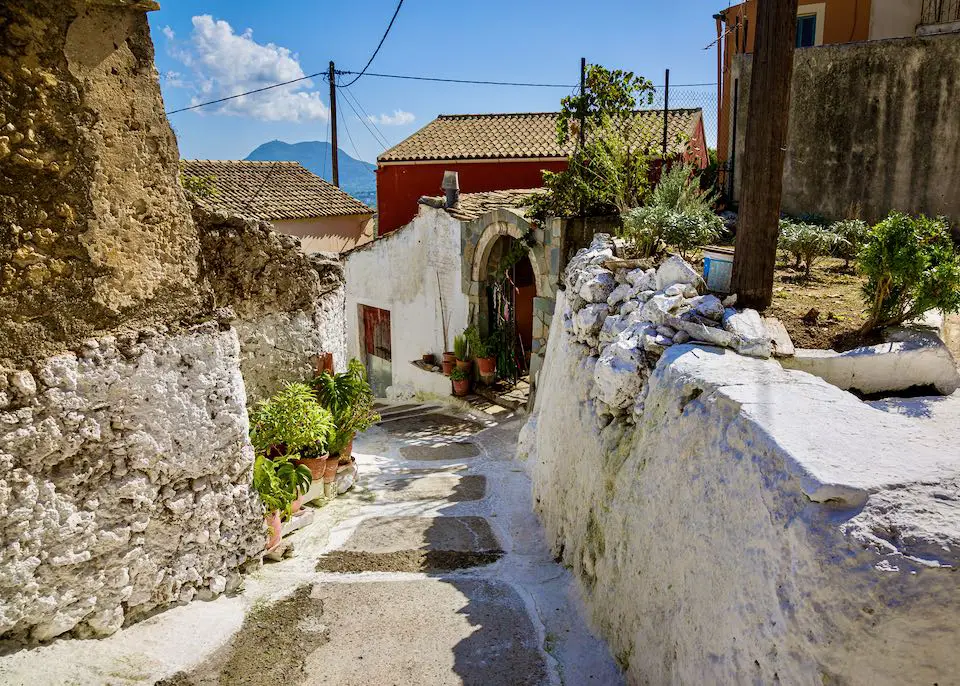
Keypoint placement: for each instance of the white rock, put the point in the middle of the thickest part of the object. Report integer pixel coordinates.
(680, 337)
(629, 306)
(665, 330)
(707, 334)
(675, 270)
(689, 291)
(588, 322)
(708, 306)
(642, 280)
(675, 289)
(597, 288)
(730, 300)
(659, 307)
(612, 326)
(750, 331)
(619, 375)
(620, 294)
(644, 296)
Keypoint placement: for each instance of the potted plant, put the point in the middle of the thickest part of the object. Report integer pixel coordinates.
(461, 382)
(448, 362)
(280, 483)
(461, 349)
(349, 399)
(429, 359)
(292, 422)
(483, 350)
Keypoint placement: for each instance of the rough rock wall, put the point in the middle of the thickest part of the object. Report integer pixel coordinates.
(124, 481)
(749, 524)
(289, 306)
(94, 230)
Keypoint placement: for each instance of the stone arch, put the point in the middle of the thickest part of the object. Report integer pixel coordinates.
(497, 227)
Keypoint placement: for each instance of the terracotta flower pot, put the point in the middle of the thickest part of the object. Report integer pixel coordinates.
(448, 362)
(272, 520)
(487, 366)
(316, 465)
(465, 365)
(345, 455)
(297, 504)
(461, 388)
(428, 358)
(330, 469)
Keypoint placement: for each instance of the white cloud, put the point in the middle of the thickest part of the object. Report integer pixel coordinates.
(224, 63)
(168, 32)
(398, 118)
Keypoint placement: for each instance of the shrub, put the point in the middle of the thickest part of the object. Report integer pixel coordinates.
(279, 482)
(807, 242)
(292, 418)
(678, 213)
(349, 399)
(461, 348)
(458, 374)
(477, 345)
(911, 266)
(854, 233)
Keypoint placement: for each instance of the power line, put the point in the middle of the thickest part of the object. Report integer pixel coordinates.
(367, 118)
(324, 172)
(379, 45)
(240, 95)
(352, 144)
(263, 183)
(442, 80)
(347, 100)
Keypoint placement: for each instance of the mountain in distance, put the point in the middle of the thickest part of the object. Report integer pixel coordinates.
(358, 178)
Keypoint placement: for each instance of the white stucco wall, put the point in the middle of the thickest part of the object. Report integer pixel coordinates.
(752, 524)
(399, 273)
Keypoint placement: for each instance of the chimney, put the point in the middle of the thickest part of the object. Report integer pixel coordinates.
(451, 187)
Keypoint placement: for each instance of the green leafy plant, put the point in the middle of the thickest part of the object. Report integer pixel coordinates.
(279, 482)
(911, 266)
(678, 213)
(807, 242)
(461, 347)
(607, 171)
(200, 186)
(350, 400)
(854, 233)
(290, 420)
(459, 374)
(479, 346)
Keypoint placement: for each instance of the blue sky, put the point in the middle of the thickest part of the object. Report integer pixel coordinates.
(213, 48)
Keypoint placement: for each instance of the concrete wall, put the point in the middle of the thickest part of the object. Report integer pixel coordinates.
(329, 234)
(719, 540)
(399, 273)
(872, 125)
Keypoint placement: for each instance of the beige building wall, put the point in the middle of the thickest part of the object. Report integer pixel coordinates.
(894, 18)
(329, 234)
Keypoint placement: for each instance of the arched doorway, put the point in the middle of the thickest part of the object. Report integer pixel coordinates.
(508, 289)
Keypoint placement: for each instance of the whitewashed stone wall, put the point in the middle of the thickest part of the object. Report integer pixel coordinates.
(742, 523)
(124, 481)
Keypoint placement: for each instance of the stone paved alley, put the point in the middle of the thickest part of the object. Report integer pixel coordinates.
(434, 570)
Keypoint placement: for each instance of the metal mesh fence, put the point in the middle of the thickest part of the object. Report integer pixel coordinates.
(701, 96)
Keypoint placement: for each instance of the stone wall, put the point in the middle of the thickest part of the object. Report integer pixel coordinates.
(873, 128)
(731, 521)
(132, 338)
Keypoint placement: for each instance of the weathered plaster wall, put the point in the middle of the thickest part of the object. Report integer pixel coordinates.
(94, 230)
(894, 18)
(329, 234)
(872, 126)
(289, 306)
(719, 539)
(124, 481)
(405, 272)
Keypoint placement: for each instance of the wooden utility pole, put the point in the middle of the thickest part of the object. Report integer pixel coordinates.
(666, 116)
(764, 152)
(583, 108)
(334, 150)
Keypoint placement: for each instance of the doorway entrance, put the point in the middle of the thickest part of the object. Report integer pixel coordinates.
(375, 343)
(510, 287)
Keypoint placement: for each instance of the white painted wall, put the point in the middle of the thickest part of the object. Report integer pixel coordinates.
(754, 525)
(399, 273)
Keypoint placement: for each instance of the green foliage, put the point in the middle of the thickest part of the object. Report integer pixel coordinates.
(678, 213)
(607, 94)
(807, 242)
(350, 400)
(461, 347)
(279, 482)
(200, 186)
(479, 346)
(912, 266)
(458, 374)
(854, 233)
(608, 172)
(292, 418)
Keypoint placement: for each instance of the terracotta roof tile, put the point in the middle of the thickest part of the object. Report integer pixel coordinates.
(281, 190)
(471, 206)
(515, 136)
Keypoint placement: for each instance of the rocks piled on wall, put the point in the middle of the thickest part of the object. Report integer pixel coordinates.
(627, 318)
(741, 523)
